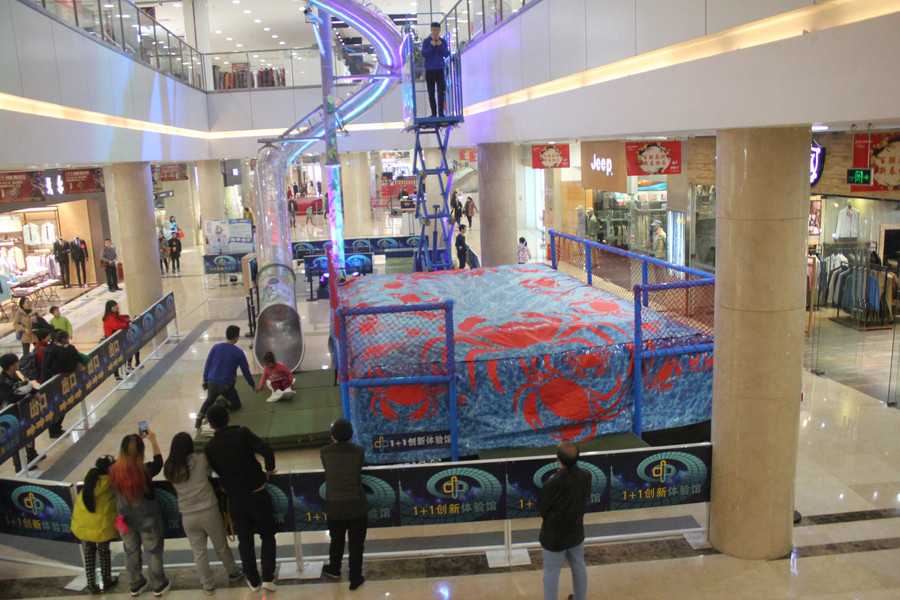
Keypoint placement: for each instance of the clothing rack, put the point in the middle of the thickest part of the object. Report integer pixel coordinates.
(864, 290)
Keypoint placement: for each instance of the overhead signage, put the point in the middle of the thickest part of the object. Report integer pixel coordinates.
(554, 156)
(603, 166)
(21, 186)
(859, 176)
(879, 152)
(26, 186)
(816, 163)
(83, 181)
(653, 158)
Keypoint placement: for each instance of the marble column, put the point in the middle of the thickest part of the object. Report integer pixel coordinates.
(497, 204)
(357, 193)
(210, 187)
(137, 231)
(762, 211)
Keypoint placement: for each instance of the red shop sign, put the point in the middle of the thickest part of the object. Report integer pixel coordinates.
(653, 158)
(553, 156)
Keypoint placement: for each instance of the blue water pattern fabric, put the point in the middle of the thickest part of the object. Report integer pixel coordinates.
(539, 357)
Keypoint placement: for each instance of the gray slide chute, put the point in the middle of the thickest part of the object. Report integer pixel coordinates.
(278, 325)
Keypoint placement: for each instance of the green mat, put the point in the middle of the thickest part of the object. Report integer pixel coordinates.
(398, 265)
(614, 441)
(304, 420)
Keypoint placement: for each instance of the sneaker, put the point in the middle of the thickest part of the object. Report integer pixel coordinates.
(235, 577)
(207, 430)
(253, 588)
(330, 573)
(139, 587)
(210, 591)
(269, 586)
(355, 584)
(161, 590)
(110, 583)
(276, 396)
(92, 589)
(287, 394)
(198, 422)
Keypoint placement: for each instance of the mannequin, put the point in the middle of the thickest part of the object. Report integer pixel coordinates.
(660, 241)
(61, 252)
(580, 222)
(78, 249)
(847, 224)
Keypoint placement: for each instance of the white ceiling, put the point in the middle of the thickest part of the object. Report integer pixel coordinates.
(240, 25)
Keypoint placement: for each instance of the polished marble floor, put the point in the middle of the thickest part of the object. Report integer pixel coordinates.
(848, 490)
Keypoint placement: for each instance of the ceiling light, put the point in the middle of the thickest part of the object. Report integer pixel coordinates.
(247, 11)
(256, 56)
(218, 31)
(281, 42)
(257, 20)
(274, 36)
(239, 45)
(217, 57)
(226, 62)
(228, 39)
(235, 1)
(109, 5)
(267, 29)
(820, 127)
(177, 5)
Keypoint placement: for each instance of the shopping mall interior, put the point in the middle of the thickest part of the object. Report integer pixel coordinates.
(742, 157)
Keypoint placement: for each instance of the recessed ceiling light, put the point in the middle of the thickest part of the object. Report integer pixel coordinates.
(217, 57)
(228, 39)
(257, 20)
(820, 127)
(267, 29)
(247, 11)
(235, 1)
(227, 63)
(239, 45)
(177, 5)
(281, 42)
(256, 56)
(218, 31)
(109, 5)
(274, 36)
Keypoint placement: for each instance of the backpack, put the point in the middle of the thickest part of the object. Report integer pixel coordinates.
(28, 366)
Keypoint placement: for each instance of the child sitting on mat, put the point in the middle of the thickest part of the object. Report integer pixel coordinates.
(278, 377)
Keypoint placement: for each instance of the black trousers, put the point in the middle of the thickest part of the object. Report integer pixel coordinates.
(80, 271)
(176, 263)
(253, 513)
(64, 270)
(434, 79)
(355, 530)
(461, 257)
(112, 276)
(214, 390)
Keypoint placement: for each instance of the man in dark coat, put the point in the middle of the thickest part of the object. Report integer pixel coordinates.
(461, 247)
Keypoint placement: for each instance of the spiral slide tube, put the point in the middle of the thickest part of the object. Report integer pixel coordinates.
(278, 325)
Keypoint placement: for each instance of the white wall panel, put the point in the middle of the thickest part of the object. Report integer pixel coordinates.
(610, 26)
(10, 78)
(37, 64)
(143, 89)
(95, 76)
(120, 74)
(535, 51)
(567, 42)
(725, 14)
(190, 104)
(476, 86)
(229, 111)
(662, 23)
(509, 43)
(69, 48)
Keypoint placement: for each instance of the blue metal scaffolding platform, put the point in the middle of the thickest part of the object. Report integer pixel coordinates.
(434, 252)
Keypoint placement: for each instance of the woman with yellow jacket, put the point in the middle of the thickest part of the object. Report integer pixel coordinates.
(94, 523)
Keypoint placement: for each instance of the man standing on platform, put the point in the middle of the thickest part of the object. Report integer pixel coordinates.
(435, 50)
(345, 502)
(562, 503)
(220, 373)
(232, 455)
(111, 261)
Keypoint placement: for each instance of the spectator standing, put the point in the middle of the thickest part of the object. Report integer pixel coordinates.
(136, 501)
(470, 209)
(14, 389)
(562, 503)
(163, 253)
(232, 454)
(189, 473)
(292, 211)
(173, 227)
(113, 321)
(345, 502)
(94, 523)
(110, 262)
(462, 249)
(57, 321)
(220, 372)
(60, 358)
(175, 254)
(434, 51)
(524, 252)
(23, 322)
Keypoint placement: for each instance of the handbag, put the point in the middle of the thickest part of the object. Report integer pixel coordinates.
(121, 525)
(102, 264)
(180, 233)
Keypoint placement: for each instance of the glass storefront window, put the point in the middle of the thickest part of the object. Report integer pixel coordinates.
(703, 204)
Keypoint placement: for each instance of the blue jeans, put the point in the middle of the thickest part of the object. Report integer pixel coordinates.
(553, 563)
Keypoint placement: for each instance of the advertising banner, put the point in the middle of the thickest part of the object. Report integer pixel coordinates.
(279, 488)
(526, 478)
(653, 158)
(377, 245)
(603, 166)
(36, 509)
(554, 156)
(431, 495)
(10, 432)
(83, 181)
(216, 236)
(173, 172)
(21, 186)
(881, 153)
(63, 392)
(222, 263)
(240, 236)
(308, 498)
(660, 477)
(168, 502)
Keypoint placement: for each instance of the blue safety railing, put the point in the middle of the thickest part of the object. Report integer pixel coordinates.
(673, 305)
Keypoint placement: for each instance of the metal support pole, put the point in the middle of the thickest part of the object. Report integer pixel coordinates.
(644, 280)
(587, 264)
(451, 373)
(637, 370)
(552, 249)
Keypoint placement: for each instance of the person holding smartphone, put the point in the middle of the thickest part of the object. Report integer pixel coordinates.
(434, 51)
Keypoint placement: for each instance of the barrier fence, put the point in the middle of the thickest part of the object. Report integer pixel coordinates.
(21, 423)
(413, 495)
(674, 306)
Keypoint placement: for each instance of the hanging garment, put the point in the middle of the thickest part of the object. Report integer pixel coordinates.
(848, 223)
(31, 233)
(48, 233)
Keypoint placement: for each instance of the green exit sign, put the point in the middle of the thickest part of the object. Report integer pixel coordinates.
(859, 176)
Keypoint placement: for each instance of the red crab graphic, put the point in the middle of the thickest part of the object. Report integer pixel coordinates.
(665, 378)
(536, 328)
(566, 399)
(424, 398)
(600, 307)
(593, 364)
(543, 285)
(703, 362)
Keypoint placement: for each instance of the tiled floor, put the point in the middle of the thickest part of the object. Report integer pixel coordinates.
(846, 465)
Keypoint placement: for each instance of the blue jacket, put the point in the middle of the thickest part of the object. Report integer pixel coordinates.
(435, 55)
(223, 362)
